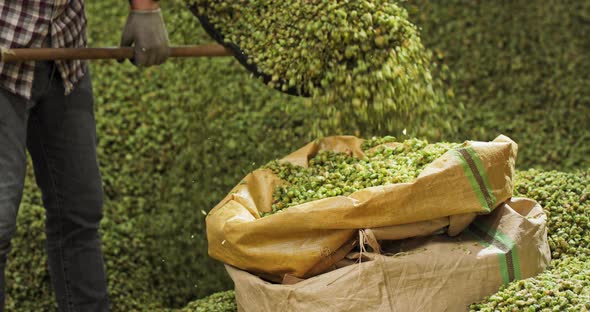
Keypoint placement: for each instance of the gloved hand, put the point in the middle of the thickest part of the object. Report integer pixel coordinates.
(146, 29)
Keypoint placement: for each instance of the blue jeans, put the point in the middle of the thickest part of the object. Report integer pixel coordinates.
(60, 133)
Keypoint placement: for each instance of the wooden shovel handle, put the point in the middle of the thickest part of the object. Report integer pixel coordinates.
(53, 54)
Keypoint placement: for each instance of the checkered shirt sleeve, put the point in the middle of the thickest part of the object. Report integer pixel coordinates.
(26, 24)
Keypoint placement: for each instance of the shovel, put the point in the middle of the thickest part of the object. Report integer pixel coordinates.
(240, 55)
(208, 50)
(54, 54)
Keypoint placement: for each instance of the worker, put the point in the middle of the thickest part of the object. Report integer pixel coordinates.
(47, 108)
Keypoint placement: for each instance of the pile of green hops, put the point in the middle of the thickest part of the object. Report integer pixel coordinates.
(565, 286)
(332, 174)
(360, 59)
(566, 200)
(219, 302)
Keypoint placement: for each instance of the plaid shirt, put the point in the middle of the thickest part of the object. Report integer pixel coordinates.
(27, 24)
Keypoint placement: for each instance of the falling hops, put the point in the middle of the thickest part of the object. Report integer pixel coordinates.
(361, 61)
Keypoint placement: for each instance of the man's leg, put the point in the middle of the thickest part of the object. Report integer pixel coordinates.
(62, 143)
(13, 134)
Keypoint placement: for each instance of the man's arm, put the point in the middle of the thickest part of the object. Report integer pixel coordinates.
(146, 32)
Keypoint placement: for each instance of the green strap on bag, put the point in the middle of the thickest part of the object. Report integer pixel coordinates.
(491, 237)
(475, 172)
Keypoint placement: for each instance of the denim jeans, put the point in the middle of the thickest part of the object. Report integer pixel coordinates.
(60, 133)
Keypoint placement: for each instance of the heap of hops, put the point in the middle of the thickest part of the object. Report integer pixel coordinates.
(565, 286)
(333, 174)
(359, 59)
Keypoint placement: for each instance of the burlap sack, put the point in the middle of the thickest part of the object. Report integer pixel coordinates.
(306, 239)
(435, 273)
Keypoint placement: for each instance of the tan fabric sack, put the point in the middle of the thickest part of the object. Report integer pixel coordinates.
(304, 240)
(435, 273)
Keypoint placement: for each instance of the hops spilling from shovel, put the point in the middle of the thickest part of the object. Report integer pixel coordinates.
(354, 58)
